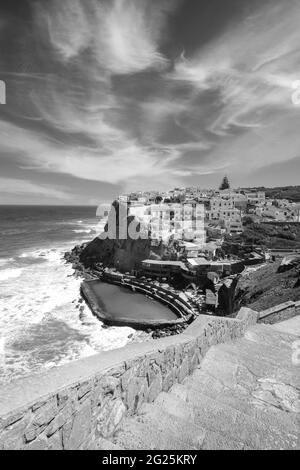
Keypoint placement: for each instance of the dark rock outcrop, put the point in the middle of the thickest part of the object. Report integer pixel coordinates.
(226, 296)
(115, 247)
(288, 263)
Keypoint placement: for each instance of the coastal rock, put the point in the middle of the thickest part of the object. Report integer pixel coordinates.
(110, 249)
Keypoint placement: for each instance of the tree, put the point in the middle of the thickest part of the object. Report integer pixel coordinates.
(225, 184)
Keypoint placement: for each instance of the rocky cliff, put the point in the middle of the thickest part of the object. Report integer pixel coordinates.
(115, 247)
(122, 245)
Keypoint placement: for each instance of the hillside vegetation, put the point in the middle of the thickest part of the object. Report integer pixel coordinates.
(267, 287)
(286, 192)
(269, 235)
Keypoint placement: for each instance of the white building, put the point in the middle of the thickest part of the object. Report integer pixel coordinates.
(182, 221)
(280, 214)
(234, 225)
(222, 209)
(257, 197)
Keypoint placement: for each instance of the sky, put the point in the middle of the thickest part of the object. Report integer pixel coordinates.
(109, 96)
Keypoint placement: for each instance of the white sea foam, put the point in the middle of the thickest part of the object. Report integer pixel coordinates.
(38, 306)
(51, 255)
(83, 231)
(2, 345)
(6, 274)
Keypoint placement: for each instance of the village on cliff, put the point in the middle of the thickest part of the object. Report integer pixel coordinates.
(193, 246)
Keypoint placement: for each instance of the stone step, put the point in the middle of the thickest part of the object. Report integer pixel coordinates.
(260, 361)
(291, 326)
(280, 348)
(250, 408)
(239, 398)
(217, 416)
(267, 333)
(154, 429)
(235, 367)
(175, 406)
(202, 380)
(271, 345)
(205, 412)
(217, 441)
(244, 395)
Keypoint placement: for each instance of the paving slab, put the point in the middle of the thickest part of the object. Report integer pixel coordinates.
(291, 326)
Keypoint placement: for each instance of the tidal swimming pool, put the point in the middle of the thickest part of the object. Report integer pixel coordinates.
(116, 302)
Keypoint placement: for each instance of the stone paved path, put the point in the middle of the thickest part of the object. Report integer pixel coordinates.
(244, 395)
(291, 326)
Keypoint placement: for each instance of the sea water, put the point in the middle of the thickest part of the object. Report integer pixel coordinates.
(43, 321)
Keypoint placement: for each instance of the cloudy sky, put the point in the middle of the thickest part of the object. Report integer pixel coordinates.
(107, 96)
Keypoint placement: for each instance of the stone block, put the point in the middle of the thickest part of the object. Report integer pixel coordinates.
(109, 384)
(169, 379)
(40, 419)
(42, 443)
(110, 416)
(153, 371)
(64, 415)
(84, 389)
(12, 439)
(37, 444)
(78, 430)
(156, 358)
(44, 414)
(128, 376)
(19, 418)
(155, 388)
(183, 370)
(66, 395)
(55, 442)
(106, 386)
(194, 361)
(136, 393)
(248, 316)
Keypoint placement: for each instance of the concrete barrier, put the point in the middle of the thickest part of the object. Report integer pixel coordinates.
(78, 405)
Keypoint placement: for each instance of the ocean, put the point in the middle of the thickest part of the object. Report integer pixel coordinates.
(43, 321)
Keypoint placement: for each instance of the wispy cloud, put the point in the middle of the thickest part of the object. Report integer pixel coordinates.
(252, 67)
(123, 161)
(14, 186)
(121, 35)
(105, 101)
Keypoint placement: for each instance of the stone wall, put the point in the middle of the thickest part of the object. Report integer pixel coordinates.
(80, 405)
(280, 312)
